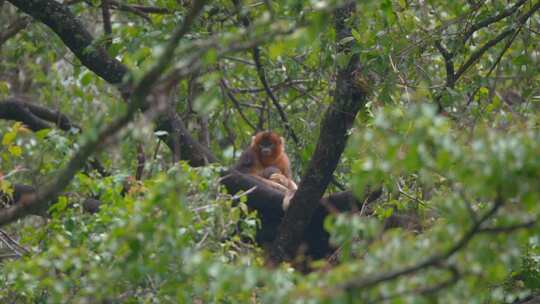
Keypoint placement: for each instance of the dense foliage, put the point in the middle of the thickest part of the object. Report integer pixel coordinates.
(449, 131)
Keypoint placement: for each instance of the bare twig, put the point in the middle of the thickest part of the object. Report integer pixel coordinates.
(236, 104)
(447, 56)
(194, 64)
(241, 60)
(12, 244)
(281, 85)
(129, 9)
(497, 61)
(510, 228)
(262, 76)
(414, 198)
(141, 160)
(255, 52)
(475, 56)
(454, 277)
(154, 158)
(107, 27)
(492, 19)
(141, 8)
(244, 193)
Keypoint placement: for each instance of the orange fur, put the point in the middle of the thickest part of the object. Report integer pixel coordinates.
(276, 158)
(265, 158)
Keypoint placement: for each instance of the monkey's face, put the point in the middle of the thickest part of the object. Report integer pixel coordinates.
(266, 147)
(267, 144)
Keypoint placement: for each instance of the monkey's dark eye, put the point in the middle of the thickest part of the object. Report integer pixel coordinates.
(266, 145)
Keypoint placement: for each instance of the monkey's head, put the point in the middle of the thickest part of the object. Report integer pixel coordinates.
(267, 144)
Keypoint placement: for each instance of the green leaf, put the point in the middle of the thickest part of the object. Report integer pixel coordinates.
(521, 60)
(41, 134)
(4, 88)
(8, 138)
(210, 57)
(86, 79)
(15, 150)
(60, 206)
(356, 35)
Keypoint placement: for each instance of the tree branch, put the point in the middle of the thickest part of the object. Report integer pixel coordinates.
(12, 110)
(13, 245)
(447, 56)
(107, 27)
(492, 19)
(37, 117)
(510, 228)
(236, 104)
(285, 84)
(142, 89)
(262, 76)
(141, 160)
(454, 277)
(34, 116)
(434, 260)
(475, 56)
(74, 34)
(140, 8)
(14, 28)
(256, 54)
(199, 155)
(497, 61)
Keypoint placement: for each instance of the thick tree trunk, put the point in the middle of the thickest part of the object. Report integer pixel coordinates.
(349, 97)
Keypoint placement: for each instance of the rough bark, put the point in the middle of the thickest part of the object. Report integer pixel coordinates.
(75, 36)
(18, 112)
(34, 116)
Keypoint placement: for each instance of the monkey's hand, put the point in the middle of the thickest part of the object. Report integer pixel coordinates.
(280, 179)
(272, 184)
(283, 180)
(281, 183)
(289, 184)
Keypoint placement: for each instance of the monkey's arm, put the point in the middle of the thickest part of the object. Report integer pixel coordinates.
(290, 187)
(274, 184)
(283, 184)
(247, 162)
(283, 180)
